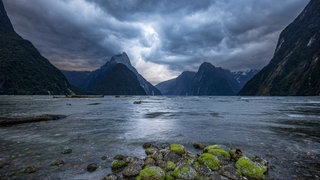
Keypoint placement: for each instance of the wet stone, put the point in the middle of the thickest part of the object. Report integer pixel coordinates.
(199, 145)
(66, 150)
(57, 162)
(30, 169)
(132, 170)
(92, 167)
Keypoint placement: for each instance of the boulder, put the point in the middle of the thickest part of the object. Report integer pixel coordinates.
(177, 148)
(185, 171)
(250, 169)
(152, 173)
(210, 160)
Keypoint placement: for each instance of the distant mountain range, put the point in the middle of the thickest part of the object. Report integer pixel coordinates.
(116, 77)
(295, 66)
(209, 80)
(22, 68)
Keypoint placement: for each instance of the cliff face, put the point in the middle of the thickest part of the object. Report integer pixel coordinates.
(22, 68)
(295, 66)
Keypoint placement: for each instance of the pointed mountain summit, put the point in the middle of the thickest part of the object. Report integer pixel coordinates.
(22, 68)
(116, 77)
(211, 80)
(295, 66)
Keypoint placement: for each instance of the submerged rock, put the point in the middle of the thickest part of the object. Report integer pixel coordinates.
(30, 169)
(92, 167)
(66, 150)
(4, 121)
(57, 162)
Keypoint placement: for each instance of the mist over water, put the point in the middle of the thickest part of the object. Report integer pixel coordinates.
(283, 130)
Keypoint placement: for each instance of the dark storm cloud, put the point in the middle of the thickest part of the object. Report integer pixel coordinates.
(162, 37)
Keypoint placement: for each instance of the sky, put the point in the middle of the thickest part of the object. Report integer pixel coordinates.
(161, 37)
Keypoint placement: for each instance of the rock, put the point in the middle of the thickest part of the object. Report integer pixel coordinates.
(151, 173)
(66, 150)
(3, 162)
(198, 145)
(111, 177)
(217, 151)
(92, 167)
(210, 160)
(151, 150)
(104, 158)
(235, 153)
(147, 145)
(202, 169)
(149, 161)
(185, 171)
(171, 156)
(57, 162)
(157, 156)
(230, 172)
(119, 157)
(118, 165)
(170, 166)
(177, 148)
(250, 169)
(132, 170)
(30, 169)
(137, 102)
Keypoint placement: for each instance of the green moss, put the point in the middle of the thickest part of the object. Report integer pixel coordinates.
(170, 166)
(185, 172)
(196, 164)
(249, 169)
(169, 177)
(177, 148)
(117, 164)
(152, 172)
(207, 148)
(219, 153)
(210, 160)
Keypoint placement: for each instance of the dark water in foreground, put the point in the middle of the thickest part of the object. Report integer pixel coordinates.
(284, 130)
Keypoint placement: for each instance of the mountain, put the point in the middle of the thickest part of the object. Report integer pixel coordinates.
(295, 66)
(76, 78)
(177, 86)
(209, 80)
(22, 68)
(116, 77)
(117, 80)
(242, 77)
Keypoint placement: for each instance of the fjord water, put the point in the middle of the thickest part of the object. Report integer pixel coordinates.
(283, 130)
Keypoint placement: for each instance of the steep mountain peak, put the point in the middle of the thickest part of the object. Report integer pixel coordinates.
(121, 58)
(6, 25)
(206, 65)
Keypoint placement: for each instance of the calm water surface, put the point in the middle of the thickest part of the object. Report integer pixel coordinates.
(284, 130)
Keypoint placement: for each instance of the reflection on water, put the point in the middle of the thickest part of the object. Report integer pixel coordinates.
(284, 130)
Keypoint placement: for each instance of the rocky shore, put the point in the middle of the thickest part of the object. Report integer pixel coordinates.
(175, 162)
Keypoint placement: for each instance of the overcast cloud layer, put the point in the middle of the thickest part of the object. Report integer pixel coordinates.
(161, 37)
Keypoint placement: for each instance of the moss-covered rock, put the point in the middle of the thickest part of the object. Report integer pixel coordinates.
(220, 153)
(152, 173)
(185, 171)
(151, 150)
(207, 148)
(177, 148)
(118, 165)
(250, 169)
(210, 160)
(170, 166)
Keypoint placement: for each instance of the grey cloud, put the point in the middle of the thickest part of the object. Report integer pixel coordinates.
(229, 33)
